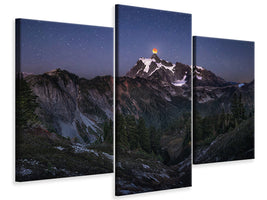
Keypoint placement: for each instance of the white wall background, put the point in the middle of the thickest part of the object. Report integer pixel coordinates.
(243, 20)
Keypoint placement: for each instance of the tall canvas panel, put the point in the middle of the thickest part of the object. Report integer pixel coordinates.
(223, 100)
(64, 100)
(153, 100)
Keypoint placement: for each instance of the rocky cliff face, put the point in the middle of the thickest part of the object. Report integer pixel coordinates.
(157, 104)
(156, 90)
(71, 106)
(204, 77)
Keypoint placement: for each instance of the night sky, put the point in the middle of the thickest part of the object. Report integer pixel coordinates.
(232, 60)
(139, 30)
(84, 50)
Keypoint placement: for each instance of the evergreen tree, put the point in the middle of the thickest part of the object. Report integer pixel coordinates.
(108, 131)
(143, 134)
(121, 133)
(154, 140)
(221, 123)
(241, 108)
(131, 129)
(25, 104)
(237, 110)
(197, 127)
(234, 107)
(207, 127)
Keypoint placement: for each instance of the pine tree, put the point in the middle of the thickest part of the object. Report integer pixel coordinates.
(143, 133)
(234, 107)
(197, 127)
(241, 108)
(237, 110)
(131, 129)
(121, 133)
(221, 121)
(25, 105)
(154, 140)
(108, 131)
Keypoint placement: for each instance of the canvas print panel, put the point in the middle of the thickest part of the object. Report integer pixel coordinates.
(223, 100)
(153, 100)
(64, 100)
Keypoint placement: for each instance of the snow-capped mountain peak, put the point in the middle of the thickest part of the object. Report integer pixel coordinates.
(146, 62)
(154, 68)
(152, 64)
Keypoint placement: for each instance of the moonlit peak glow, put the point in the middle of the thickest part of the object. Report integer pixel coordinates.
(154, 50)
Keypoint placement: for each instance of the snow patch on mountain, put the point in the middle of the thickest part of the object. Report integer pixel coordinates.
(88, 122)
(205, 99)
(60, 148)
(197, 72)
(241, 85)
(180, 82)
(199, 77)
(147, 62)
(200, 68)
(79, 148)
(153, 71)
(108, 155)
(171, 68)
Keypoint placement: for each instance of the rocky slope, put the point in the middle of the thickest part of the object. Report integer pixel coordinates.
(71, 106)
(204, 77)
(212, 94)
(41, 154)
(138, 173)
(156, 90)
(234, 145)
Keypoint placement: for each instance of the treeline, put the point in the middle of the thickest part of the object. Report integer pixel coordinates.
(108, 131)
(207, 128)
(25, 105)
(132, 134)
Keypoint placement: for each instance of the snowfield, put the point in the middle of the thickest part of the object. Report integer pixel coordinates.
(180, 82)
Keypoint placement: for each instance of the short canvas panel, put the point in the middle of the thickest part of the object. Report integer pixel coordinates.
(223, 100)
(64, 100)
(153, 100)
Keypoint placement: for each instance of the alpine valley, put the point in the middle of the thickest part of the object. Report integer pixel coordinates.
(153, 126)
(223, 118)
(64, 125)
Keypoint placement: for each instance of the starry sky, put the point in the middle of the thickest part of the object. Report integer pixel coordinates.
(84, 50)
(139, 30)
(232, 60)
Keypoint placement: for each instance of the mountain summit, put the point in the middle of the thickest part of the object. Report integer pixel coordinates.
(154, 68)
(204, 77)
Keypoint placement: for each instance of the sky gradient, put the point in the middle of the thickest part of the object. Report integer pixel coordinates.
(84, 50)
(233, 60)
(139, 30)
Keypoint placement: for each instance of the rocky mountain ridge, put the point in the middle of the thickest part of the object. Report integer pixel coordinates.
(71, 106)
(154, 68)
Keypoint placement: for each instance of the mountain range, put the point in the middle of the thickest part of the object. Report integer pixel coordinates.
(212, 94)
(73, 107)
(159, 92)
(64, 125)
